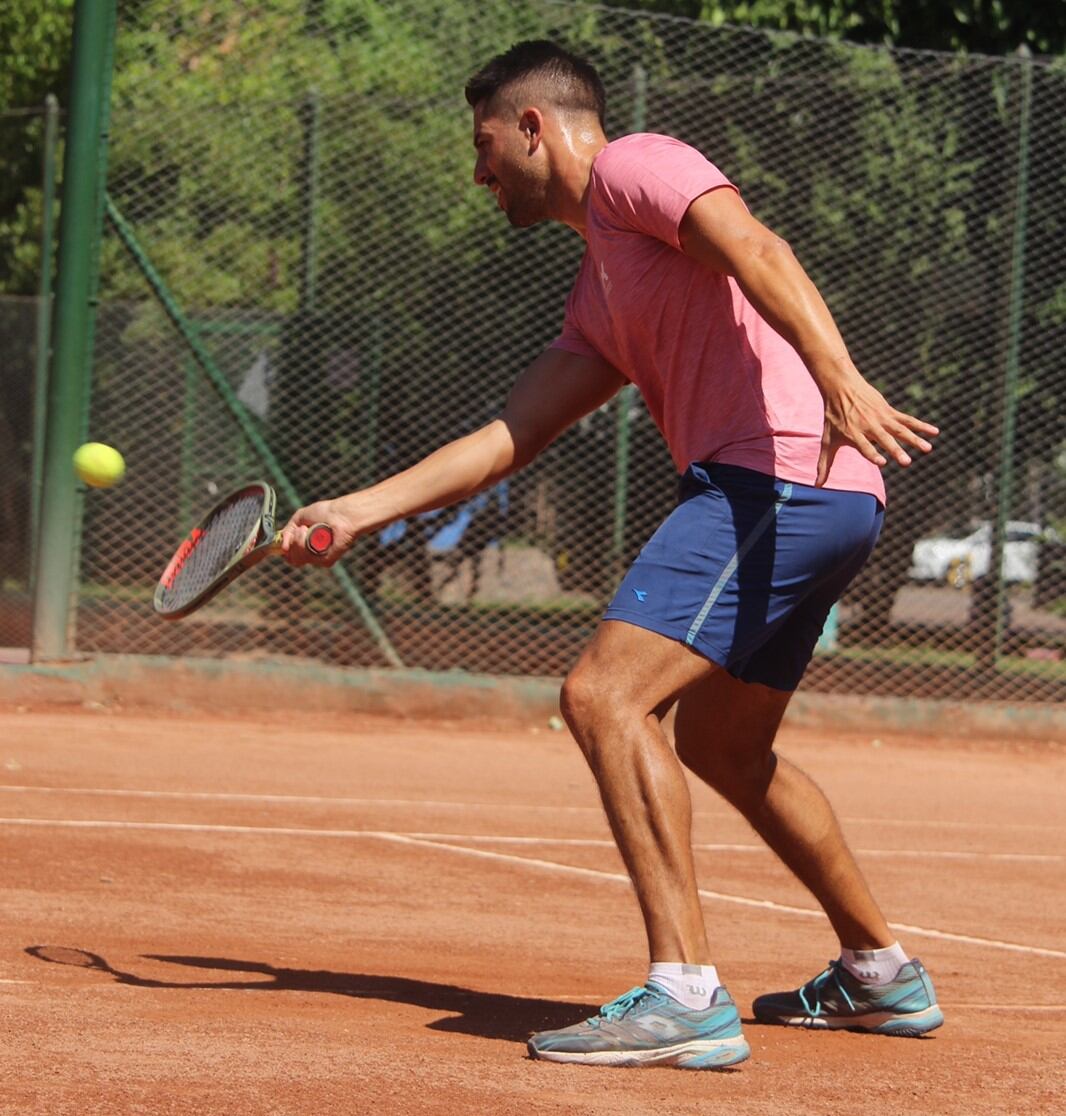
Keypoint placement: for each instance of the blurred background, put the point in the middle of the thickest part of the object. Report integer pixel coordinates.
(299, 282)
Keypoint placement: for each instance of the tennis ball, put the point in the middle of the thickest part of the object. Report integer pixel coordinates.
(99, 465)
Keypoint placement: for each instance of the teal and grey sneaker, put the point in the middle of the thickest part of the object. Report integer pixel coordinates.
(646, 1027)
(838, 1001)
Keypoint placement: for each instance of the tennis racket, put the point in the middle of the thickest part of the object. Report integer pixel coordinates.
(236, 534)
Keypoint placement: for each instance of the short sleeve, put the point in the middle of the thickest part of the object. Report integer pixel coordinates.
(571, 338)
(573, 341)
(647, 182)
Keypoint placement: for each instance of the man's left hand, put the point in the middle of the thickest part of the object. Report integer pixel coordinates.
(859, 415)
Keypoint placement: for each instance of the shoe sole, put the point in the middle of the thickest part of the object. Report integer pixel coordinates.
(912, 1025)
(695, 1054)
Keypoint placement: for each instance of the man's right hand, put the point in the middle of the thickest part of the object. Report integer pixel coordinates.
(294, 534)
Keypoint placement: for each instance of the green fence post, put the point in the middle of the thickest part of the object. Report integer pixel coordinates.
(44, 323)
(80, 223)
(624, 399)
(988, 655)
(190, 445)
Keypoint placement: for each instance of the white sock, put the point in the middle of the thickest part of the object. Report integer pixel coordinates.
(691, 985)
(874, 966)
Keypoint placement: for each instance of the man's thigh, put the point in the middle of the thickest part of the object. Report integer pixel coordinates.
(628, 668)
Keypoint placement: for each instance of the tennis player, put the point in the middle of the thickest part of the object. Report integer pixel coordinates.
(778, 441)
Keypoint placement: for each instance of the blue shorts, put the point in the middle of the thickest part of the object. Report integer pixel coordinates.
(746, 568)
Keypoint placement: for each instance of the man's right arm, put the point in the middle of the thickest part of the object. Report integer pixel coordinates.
(556, 390)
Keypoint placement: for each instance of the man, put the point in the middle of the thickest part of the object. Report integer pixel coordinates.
(778, 440)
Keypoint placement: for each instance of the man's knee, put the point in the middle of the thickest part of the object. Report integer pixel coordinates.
(595, 708)
(584, 698)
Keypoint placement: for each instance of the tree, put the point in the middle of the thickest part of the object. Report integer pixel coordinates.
(970, 26)
(35, 47)
(891, 174)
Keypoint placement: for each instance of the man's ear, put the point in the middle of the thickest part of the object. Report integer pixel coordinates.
(531, 125)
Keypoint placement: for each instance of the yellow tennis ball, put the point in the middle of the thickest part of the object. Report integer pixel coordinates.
(99, 465)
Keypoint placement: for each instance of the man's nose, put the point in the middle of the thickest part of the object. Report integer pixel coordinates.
(481, 174)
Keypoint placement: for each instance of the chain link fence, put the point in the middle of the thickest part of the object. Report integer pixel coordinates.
(300, 181)
(25, 135)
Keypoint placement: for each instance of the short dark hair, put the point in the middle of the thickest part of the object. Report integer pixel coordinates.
(571, 82)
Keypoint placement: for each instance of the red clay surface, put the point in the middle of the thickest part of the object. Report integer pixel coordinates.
(308, 916)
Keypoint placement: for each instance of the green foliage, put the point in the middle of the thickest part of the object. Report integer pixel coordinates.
(214, 95)
(894, 176)
(35, 47)
(976, 26)
(176, 57)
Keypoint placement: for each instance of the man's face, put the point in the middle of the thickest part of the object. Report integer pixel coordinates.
(507, 166)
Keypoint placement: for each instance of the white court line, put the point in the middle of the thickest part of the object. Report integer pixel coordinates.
(526, 861)
(932, 854)
(1008, 1007)
(450, 804)
(767, 904)
(302, 799)
(600, 843)
(193, 827)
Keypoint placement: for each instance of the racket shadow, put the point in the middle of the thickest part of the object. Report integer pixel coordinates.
(484, 1014)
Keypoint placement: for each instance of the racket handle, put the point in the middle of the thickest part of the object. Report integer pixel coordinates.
(319, 539)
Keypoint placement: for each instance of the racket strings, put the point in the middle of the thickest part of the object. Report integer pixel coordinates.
(206, 553)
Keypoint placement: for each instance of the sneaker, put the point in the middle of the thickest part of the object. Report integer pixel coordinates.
(646, 1027)
(838, 1001)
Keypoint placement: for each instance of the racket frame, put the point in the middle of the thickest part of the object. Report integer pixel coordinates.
(262, 541)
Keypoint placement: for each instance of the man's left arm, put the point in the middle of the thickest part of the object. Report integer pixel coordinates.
(719, 232)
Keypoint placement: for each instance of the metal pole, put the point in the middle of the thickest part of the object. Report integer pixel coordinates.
(190, 457)
(990, 652)
(79, 233)
(44, 323)
(624, 399)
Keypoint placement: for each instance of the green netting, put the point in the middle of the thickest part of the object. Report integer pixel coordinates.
(300, 178)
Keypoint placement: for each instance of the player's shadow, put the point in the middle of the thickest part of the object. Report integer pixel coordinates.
(486, 1014)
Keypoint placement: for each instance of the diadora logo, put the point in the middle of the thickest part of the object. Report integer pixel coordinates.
(605, 279)
(640, 594)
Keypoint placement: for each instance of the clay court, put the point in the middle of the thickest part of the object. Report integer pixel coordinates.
(286, 915)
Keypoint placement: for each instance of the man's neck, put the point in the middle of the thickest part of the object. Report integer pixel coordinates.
(578, 145)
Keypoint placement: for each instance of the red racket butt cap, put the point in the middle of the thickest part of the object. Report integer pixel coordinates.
(319, 539)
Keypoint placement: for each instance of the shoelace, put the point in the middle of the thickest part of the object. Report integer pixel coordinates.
(833, 971)
(616, 1009)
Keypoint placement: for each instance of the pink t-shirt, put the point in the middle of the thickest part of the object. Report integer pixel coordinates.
(719, 382)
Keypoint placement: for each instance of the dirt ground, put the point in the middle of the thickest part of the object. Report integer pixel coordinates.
(298, 916)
